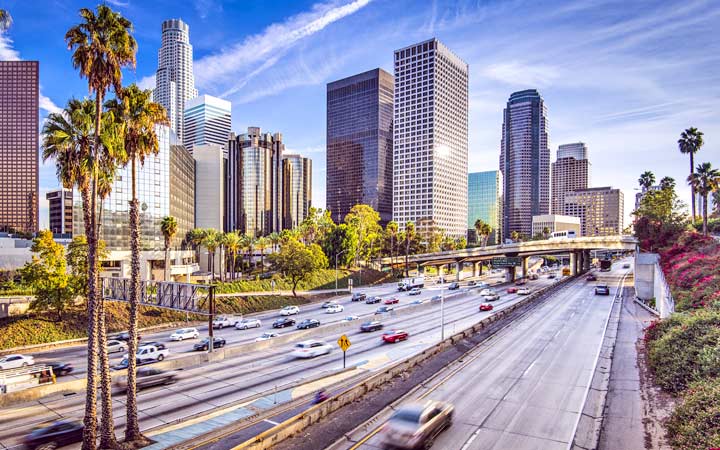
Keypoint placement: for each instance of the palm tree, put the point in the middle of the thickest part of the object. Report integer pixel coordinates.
(169, 227)
(274, 238)
(483, 231)
(261, 244)
(392, 231)
(195, 237)
(515, 236)
(689, 143)
(704, 181)
(667, 183)
(409, 236)
(646, 180)
(211, 241)
(716, 202)
(232, 244)
(5, 20)
(546, 232)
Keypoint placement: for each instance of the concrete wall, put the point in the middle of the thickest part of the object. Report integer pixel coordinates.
(14, 306)
(650, 283)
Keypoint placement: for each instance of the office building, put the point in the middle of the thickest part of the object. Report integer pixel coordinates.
(174, 79)
(430, 138)
(210, 187)
(360, 144)
(207, 121)
(485, 203)
(254, 183)
(19, 149)
(297, 190)
(182, 190)
(600, 210)
(571, 172)
(60, 209)
(555, 222)
(524, 161)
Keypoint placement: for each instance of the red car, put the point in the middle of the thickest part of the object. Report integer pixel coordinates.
(391, 300)
(486, 307)
(394, 336)
(512, 290)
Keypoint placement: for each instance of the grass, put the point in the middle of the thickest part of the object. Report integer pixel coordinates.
(318, 280)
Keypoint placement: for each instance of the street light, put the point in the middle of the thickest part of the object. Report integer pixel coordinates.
(442, 313)
(336, 270)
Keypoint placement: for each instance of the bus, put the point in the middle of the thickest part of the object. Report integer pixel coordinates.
(565, 234)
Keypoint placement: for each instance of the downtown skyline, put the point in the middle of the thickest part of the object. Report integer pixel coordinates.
(635, 102)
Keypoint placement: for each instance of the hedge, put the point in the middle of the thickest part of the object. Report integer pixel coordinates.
(695, 423)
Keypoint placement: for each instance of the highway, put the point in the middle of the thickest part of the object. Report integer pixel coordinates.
(201, 389)
(525, 387)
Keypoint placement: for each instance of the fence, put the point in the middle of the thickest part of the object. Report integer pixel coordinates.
(187, 297)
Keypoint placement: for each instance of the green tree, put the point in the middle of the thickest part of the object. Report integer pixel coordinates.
(274, 238)
(667, 183)
(342, 241)
(483, 231)
(364, 220)
(391, 233)
(659, 219)
(211, 241)
(195, 237)
(232, 244)
(77, 260)
(169, 227)
(515, 236)
(410, 235)
(646, 180)
(262, 244)
(545, 232)
(689, 143)
(461, 243)
(704, 181)
(297, 260)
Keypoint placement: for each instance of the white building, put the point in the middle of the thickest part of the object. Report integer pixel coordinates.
(209, 186)
(555, 222)
(207, 121)
(430, 138)
(174, 79)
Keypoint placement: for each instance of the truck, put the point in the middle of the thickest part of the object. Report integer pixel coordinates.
(605, 265)
(409, 283)
(150, 353)
(226, 321)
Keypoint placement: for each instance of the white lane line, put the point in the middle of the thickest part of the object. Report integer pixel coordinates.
(529, 368)
(270, 421)
(470, 441)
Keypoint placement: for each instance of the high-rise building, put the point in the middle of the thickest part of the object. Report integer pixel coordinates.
(360, 144)
(485, 203)
(254, 183)
(555, 222)
(640, 195)
(207, 121)
(571, 172)
(174, 79)
(19, 114)
(182, 190)
(600, 210)
(60, 209)
(210, 187)
(524, 161)
(430, 138)
(297, 190)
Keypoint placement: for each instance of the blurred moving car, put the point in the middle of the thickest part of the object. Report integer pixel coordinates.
(358, 296)
(417, 301)
(329, 304)
(311, 349)
(218, 342)
(454, 285)
(486, 307)
(148, 377)
(184, 333)
(283, 322)
(533, 276)
(114, 346)
(602, 289)
(225, 321)
(159, 345)
(472, 283)
(520, 282)
(332, 309)
(391, 300)
(591, 277)
(373, 325)
(15, 361)
(394, 336)
(308, 323)
(58, 434)
(384, 309)
(371, 300)
(266, 336)
(350, 318)
(436, 298)
(626, 266)
(289, 310)
(524, 291)
(246, 324)
(512, 290)
(416, 426)
(61, 369)
(491, 297)
(552, 275)
(486, 291)
(415, 291)
(122, 336)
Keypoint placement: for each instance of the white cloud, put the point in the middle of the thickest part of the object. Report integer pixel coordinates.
(147, 82)
(118, 2)
(7, 53)
(48, 105)
(520, 74)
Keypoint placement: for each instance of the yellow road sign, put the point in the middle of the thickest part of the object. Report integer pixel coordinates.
(344, 343)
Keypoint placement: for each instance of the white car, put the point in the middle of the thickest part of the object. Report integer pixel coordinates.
(116, 346)
(486, 292)
(332, 309)
(149, 353)
(15, 361)
(311, 349)
(523, 291)
(289, 310)
(350, 318)
(225, 321)
(415, 291)
(266, 336)
(184, 333)
(248, 323)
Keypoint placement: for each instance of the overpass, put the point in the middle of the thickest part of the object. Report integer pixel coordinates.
(578, 249)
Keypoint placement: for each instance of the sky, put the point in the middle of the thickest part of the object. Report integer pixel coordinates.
(625, 77)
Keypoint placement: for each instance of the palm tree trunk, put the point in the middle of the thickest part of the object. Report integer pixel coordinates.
(692, 187)
(107, 428)
(166, 276)
(262, 260)
(407, 253)
(705, 214)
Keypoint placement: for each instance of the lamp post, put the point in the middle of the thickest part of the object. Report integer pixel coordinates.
(336, 269)
(442, 313)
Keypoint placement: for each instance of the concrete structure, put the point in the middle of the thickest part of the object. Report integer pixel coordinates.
(360, 144)
(524, 161)
(485, 203)
(430, 138)
(601, 210)
(60, 211)
(577, 150)
(174, 79)
(209, 187)
(14, 252)
(571, 172)
(19, 160)
(297, 190)
(650, 283)
(555, 222)
(207, 120)
(182, 264)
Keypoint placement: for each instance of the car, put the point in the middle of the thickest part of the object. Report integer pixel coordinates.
(122, 336)
(373, 325)
(225, 321)
(415, 426)
(57, 434)
(358, 296)
(266, 336)
(511, 290)
(391, 301)
(524, 291)
(159, 345)
(311, 349)
(15, 361)
(602, 289)
(184, 333)
(149, 353)
(384, 309)
(329, 304)
(394, 336)
(486, 307)
(114, 346)
(436, 298)
(591, 277)
(454, 285)
(626, 266)
(308, 323)
(533, 276)
(350, 318)
(417, 301)
(371, 300)
(472, 283)
(332, 309)
(552, 275)
(289, 310)
(520, 282)
(283, 322)
(491, 297)
(218, 342)
(415, 291)
(148, 377)
(246, 324)
(60, 368)
(486, 291)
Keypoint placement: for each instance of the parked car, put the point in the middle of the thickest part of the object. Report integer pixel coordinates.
(391, 301)
(334, 309)
(246, 324)
(308, 323)
(416, 426)
(184, 333)
(374, 299)
(454, 285)
(512, 290)
(226, 321)
(491, 297)
(329, 304)
(58, 434)
(150, 353)
(373, 325)
(384, 309)
(148, 377)
(289, 310)
(61, 369)
(394, 336)
(15, 361)
(602, 289)
(415, 291)
(114, 346)
(266, 336)
(524, 291)
(486, 307)
(591, 277)
(350, 318)
(358, 296)
(218, 342)
(283, 322)
(311, 349)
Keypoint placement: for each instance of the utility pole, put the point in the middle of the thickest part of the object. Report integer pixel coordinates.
(211, 310)
(336, 269)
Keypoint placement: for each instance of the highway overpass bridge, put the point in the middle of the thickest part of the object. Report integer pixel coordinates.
(577, 248)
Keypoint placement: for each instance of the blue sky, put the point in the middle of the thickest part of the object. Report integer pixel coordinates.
(624, 77)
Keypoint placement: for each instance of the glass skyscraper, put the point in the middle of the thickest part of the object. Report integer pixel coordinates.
(297, 190)
(207, 121)
(485, 203)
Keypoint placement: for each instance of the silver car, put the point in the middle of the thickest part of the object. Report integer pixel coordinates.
(416, 426)
(116, 346)
(246, 324)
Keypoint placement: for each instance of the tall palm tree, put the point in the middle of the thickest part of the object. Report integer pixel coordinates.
(716, 202)
(274, 238)
(392, 231)
(646, 180)
(705, 180)
(689, 143)
(195, 237)
(5, 20)
(232, 244)
(169, 227)
(409, 237)
(211, 241)
(261, 244)
(667, 183)
(483, 231)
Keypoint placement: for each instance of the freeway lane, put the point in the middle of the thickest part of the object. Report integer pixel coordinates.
(526, 387)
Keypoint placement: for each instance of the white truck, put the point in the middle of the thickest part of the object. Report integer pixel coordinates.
(410, 283)
(149, 353)
(226, 321)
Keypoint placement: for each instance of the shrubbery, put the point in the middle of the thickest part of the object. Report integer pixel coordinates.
(695, 424)
(319, 279)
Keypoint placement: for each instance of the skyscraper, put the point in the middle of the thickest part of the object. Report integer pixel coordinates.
(571, 172)
(359, 144)
(430, 138)
(297, 189)
(210, 187)
(600, 210)
(60, 209)
(19, 113)
(207, 120)
(174, 79)
(524, 161)
(485, 203)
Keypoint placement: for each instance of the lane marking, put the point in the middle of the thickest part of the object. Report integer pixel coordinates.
(271, 422)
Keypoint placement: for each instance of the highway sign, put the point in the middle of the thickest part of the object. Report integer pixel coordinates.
(510, 261)
(344, 343)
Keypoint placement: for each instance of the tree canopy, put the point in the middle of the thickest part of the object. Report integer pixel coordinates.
(297, 260)
(47, 273)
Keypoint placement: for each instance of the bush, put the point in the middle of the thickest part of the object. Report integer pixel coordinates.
(695, 423)
(247, 305)
(317, 280)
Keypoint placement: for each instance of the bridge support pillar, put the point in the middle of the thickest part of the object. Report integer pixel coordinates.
(525, 266)
(586, 260)
(441, 271)
(510, 274)
(458, 269)
(573, 263)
